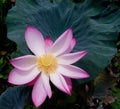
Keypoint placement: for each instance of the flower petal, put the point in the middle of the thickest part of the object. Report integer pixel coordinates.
(34, 40)
(59, 81)
(48, 44)
(24, 62)
(33, 81)
(45, 79)
(72, 71)
(19, 77)
(69, 82)
(71, 58)
(71, 46)
(62, 43)
(38, 93)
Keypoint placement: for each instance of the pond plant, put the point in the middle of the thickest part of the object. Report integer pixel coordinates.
(70, 45)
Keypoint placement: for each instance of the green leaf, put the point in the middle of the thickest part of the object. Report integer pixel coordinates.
(95, 27)
(14, 97)
(116, 93)
(1, 76)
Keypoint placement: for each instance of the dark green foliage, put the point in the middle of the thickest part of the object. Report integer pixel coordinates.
(14, 97)
(94, 25)
(116, 93)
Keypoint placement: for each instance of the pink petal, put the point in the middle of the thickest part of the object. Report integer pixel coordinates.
(33, 81)
(38, 93)
(24, 62)
(72, 71)
(71, 46)
(59, 81)
(45, 79)
(19, 77)
(73, 43)
(69, 82)
(71, 58)
(48, 43)
(34, 40)
(62, 43)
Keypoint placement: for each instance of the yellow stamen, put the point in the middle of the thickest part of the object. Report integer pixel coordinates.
(47, 63)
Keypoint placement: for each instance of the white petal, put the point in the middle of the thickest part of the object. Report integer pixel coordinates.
(62, 43)
(19, 77)
(35, 41)
(59, 81)
(72, 71)
(70, 58)
(71, 46)
(38, 93)
(24, 62)
(45, 79)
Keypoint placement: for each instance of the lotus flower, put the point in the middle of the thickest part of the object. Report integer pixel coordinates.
(50, 62)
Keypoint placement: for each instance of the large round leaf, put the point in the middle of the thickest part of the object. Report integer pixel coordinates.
(15, 97)
(95, 27)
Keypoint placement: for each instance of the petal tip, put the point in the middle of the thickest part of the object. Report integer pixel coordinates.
(83, 53)
(48, 38)
(10, 79)
(69, 93)
(35, 102)
(29, 27)
(48, 41)
(11, 61)
(86, 75)
(70, 30)
(49, 96)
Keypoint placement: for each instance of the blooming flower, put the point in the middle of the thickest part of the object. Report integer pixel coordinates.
(50, 62)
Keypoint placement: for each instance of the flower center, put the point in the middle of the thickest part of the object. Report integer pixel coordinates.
(47, 63)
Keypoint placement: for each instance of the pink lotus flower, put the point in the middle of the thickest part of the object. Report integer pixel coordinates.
(50, 62)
